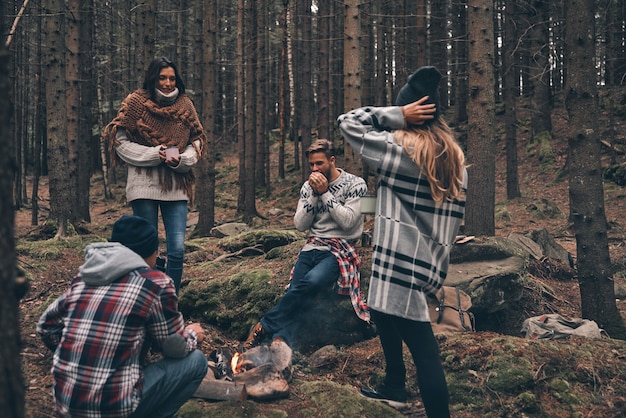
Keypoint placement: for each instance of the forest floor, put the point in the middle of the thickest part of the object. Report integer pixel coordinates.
(52, 269)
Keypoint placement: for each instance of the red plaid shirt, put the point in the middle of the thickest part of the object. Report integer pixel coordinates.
(349, 280)
(99, 335)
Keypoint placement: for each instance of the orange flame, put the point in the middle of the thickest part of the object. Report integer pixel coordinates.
(233, 363)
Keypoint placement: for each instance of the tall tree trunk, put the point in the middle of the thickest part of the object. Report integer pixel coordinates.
(205, 186)
(146, 34)
(56, 113)
(586, 192)
(11, 381)
(283, 81)
(351, 64)
(460, 89)
(439, 30)
(509, 72)
(480, 213)
(305, 63)
(417, 36)
(380, 89)
(251, 53)
(261, 76)
(87, 118)
(241, 103)
(539, 69)
(294, 117)
(72, 100)
(323, 96)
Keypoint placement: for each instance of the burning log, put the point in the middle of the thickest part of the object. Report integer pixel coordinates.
(220, 390)
(260, 373)
(264, 382)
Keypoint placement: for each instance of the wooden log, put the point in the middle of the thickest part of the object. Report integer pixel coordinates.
(220, 390)
(264, 382)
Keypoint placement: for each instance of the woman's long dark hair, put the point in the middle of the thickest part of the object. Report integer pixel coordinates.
(152, 76)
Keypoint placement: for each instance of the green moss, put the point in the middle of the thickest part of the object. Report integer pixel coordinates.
(268, 239)
(465, 389)
(562, 390)
(229, 409)
(527, 402)
(234, 303)
(338, 401)
(509, 374)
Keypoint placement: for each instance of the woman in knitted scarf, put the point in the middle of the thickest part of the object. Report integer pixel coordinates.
(151, 120)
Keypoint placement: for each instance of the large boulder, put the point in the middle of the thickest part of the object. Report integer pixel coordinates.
(492, 272)
(235, 303)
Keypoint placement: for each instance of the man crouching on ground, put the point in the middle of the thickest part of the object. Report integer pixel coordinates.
(101, 328)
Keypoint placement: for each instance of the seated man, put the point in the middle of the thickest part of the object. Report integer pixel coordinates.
(101, 328)
(329, 207)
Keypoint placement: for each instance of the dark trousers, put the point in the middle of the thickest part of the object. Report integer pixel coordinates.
(424, 349)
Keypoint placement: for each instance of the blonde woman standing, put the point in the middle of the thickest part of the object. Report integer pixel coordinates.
(421, 202)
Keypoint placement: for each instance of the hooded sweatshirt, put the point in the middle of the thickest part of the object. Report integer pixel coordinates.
(101, 328)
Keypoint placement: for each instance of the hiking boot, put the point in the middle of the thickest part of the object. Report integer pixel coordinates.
(254, 337)
(395, 398)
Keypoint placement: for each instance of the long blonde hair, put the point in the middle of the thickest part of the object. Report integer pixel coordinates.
(437, 154)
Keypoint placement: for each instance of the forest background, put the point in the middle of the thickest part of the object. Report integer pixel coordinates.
(257, 69)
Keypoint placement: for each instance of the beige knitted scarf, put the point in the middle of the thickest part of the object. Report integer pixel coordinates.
(149, 124)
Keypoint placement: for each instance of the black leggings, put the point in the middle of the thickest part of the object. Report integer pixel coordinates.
(424, 349)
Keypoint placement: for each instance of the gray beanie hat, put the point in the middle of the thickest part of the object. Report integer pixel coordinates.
(423, 82)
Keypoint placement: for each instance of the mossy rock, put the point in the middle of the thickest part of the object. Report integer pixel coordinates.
(267, 238)
(235, 303)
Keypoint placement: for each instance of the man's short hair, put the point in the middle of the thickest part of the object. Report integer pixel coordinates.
(322, 145)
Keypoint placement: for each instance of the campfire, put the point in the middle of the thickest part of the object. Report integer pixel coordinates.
(260, 373)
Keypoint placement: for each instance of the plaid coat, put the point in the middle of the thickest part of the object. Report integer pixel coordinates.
(413, 235)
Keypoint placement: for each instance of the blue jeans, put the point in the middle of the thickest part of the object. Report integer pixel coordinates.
(314, 270)
(169, 383)
(174, 216)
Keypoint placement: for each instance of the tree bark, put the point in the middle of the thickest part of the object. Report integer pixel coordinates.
(509, 72)
(250, 137)
(241, 103)
(205, 186)
(586, 192)
(459, 79)
(56, 113)
(480, 212)
(324, 126)
(351, 65)
(11, 381)
(305, 97)
(539, 67)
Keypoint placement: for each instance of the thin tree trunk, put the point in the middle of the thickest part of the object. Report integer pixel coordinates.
(480, 212)
(305, 62)
(509, 73)
(283, 95)
(72, 100)
(586, 192)
(460, 73)
(323, 88)
(352, 65)
(251, 54)
(241, 101)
